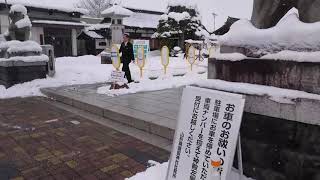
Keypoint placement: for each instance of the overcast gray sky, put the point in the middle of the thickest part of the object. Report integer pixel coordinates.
(224, 8)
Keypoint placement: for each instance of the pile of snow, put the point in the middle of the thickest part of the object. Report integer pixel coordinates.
(18, 8)
(40, 58)
(116, 10)
(69, 71)
(287, 55)
(19, 46)
(64, 6)
(179, 16)
(159, 172)
(289, 34)
(229, 56)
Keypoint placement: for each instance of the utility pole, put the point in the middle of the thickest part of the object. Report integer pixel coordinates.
(214, 19)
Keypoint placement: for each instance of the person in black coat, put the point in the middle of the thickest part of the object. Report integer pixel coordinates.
(127, 56)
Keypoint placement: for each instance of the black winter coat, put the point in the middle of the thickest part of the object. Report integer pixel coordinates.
(127, 53)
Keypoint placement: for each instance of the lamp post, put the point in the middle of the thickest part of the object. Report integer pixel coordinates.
(214, 19)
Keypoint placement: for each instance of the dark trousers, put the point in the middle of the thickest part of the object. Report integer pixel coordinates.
(127, 72)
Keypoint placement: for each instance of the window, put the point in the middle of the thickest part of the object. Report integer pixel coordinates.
(113, 21)
(41, 39)
(119, 21)
(102, 44)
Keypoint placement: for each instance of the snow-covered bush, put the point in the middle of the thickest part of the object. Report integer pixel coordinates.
(181, 21)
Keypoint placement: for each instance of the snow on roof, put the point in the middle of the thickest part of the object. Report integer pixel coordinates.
(98, 27)
(148, 5)
(142, 20)
(289, 34)
(93, 35)
(59, 22)
(116, 10)
(65, 6)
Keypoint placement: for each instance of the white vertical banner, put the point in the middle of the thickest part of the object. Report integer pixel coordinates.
(208, 126)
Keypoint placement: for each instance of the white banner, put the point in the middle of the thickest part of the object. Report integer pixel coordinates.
(208, 126)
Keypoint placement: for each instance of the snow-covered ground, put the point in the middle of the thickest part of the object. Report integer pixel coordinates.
(159, 172)
(89, 70)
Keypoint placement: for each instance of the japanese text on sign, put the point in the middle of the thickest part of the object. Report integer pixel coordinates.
(208, 125)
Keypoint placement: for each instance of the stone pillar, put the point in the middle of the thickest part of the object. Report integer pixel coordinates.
(4, 23)
(74, 42)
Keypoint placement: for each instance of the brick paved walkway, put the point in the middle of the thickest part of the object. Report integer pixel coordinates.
(39, 141)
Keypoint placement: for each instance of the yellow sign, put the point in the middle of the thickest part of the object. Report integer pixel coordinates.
(191, 56)
(165, 58)
(115, 57)
(140, 59)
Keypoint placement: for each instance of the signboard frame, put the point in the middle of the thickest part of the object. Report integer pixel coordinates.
(139, 59)
(235, 137)
(191, 49)
(115, 65)
(137, 43)
(167, 58)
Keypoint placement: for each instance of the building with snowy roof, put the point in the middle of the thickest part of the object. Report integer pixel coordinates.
(140, 24)
(52, 23)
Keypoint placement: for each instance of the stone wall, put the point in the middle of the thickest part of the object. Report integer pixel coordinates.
(278, 149)
(303, 76)
(12, 73)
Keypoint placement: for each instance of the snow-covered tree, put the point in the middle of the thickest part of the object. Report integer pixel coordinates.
(95, 7)
(181, 21)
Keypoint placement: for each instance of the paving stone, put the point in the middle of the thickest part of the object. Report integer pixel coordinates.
(61, 150)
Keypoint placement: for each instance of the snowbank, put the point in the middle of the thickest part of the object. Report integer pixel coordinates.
(229, 56)
(289, 34)
(19, 46)
(294, 56)
(69, 71)
(159, 172)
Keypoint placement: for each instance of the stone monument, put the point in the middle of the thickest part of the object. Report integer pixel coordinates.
(280, 139)
(21, 60)
(267, 13)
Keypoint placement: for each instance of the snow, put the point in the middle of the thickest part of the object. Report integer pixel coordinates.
(98, 27)
(142, 20)
(229, 56)
(69, 71)
(116, 10)
(159, 172)
(68, 23)
(18, 46)
(289, 34)
(27, 58)
(93, 35)
(89, 70)
(294, 56)
(179, 16)
(19, 9)
(62, 5)
(25, 22)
